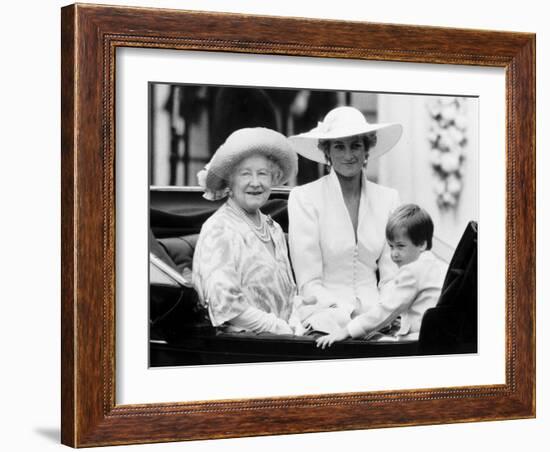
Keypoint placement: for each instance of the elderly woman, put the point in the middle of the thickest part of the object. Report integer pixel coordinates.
(241, 269)
(337, 223)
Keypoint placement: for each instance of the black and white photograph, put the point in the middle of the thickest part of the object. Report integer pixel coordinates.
(238, 225)
(306, 224)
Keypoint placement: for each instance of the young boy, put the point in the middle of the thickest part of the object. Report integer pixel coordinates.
(415, 288)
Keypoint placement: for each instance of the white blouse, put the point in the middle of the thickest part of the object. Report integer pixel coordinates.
(327, 261)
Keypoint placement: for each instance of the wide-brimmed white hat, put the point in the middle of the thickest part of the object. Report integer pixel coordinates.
(343, 122)
(242, 143)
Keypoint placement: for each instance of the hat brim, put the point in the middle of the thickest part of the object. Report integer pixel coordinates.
(248, 142)
(387, 136)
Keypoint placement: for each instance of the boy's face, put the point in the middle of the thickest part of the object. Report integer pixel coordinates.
(403, 251)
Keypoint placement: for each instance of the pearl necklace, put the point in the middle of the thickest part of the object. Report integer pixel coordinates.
(261, 231)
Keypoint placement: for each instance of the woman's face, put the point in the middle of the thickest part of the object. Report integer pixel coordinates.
(347, 156)
(251, 183)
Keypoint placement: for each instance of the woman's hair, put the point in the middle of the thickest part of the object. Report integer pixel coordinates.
(276, 171)
(369, 140)
(274, 168)
(416, 221)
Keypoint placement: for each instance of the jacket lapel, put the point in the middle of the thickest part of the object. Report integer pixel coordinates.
(338, 206)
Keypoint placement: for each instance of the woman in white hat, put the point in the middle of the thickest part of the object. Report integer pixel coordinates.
(337, 223)
(241, 269)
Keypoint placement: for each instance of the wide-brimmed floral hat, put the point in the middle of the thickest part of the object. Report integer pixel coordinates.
(343, 122)
(214, 178)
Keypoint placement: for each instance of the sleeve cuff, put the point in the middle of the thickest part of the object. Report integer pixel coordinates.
(355, 329)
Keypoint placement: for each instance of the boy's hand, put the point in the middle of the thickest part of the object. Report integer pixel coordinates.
(329, 339)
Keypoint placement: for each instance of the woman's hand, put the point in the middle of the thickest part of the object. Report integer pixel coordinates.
(303, 307)
(308, 301)
(299, 301)
(329, 339)
(283, 327)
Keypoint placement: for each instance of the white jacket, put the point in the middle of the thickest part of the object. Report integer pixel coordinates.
(327, 262)
(415, 289)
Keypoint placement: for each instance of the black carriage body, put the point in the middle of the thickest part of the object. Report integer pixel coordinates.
(181, 333)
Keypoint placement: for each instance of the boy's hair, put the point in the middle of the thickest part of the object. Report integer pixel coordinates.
(416, 221)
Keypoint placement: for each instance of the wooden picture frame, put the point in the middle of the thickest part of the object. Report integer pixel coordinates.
(90, 36)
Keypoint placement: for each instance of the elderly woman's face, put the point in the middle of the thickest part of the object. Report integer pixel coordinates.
(347, 155)
(251, 183)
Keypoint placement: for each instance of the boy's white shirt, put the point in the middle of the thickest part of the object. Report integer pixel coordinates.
(415, 289)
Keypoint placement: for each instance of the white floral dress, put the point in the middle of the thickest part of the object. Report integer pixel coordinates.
(234, 272)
